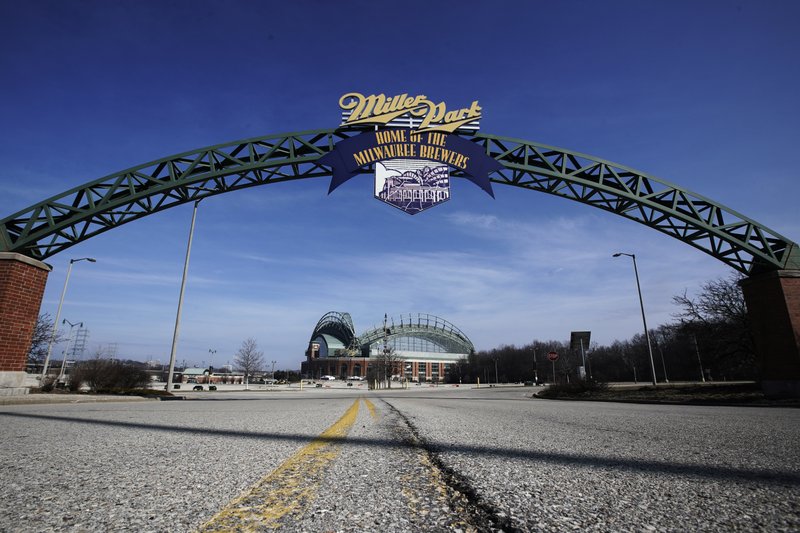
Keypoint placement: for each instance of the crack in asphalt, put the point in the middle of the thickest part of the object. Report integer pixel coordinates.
(482, 515)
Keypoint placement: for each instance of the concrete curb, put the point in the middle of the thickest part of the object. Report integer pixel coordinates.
(695, 403)
(34, 399)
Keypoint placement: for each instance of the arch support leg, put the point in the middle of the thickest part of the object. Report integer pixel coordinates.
(773, 306)
(22, 282)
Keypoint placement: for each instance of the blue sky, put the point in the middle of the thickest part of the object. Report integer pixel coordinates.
(701, 94)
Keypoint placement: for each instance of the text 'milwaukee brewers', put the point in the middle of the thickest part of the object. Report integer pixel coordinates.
(413, 148)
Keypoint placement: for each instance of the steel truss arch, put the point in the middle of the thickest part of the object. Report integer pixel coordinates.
(737, 241)
(431, 328)
(338, 325)
(66, 219)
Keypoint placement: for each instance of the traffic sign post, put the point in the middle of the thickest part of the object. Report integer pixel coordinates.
(553, 356)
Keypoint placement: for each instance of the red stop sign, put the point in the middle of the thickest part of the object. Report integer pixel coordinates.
(553, 356)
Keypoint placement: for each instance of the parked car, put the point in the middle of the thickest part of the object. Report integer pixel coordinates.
(197, 387)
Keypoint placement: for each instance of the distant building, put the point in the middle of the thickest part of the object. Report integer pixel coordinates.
(194, 375)
(423, 347)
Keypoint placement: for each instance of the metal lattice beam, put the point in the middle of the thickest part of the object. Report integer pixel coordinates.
(730, 237)
(338, 325)
(57, 223)
(431, 328)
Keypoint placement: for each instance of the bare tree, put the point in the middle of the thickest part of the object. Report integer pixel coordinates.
(41, 338)
(718, 301)
(100, 352)
(629, 355)
(387, 364)
(249, 359)
(716, 318)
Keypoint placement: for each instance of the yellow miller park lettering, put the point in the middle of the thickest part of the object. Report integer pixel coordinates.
(378, 109)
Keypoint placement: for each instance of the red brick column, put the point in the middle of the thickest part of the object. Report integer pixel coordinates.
(22, 282)
(773, 306)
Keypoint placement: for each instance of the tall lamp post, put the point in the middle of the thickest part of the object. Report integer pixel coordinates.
(66, 350)
(210, 363)
(58, 312)
(385, 346)
(644, 320)
(180, 301)
(697, 349)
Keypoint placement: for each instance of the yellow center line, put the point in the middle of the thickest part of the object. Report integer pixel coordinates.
(371, 408)
(288, 488)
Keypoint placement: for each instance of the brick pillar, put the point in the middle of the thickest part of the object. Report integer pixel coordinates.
(773, 306)
(22, 282)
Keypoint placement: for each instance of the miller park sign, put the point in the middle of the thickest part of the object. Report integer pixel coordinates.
(414, 146)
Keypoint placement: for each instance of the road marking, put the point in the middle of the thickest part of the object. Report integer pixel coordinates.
(288, 488)
(371, 408)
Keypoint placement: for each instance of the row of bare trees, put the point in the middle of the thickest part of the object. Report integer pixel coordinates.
(709, 339)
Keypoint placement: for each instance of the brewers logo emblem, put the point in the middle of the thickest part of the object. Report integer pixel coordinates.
(413, 144)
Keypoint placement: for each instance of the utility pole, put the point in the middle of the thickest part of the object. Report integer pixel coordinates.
(644, 320)
(663, 365)
(210, 363)
(385, 347)
(176, 331)
(697, 349)
(66, 350)
(58, 313)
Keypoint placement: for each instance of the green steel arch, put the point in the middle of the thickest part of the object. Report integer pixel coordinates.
(338, 325)
(66, 219)
(431, 328)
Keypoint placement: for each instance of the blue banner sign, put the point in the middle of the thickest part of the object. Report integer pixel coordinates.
(349, 156)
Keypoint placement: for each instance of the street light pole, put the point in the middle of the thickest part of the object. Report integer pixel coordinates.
(210, 363)
(273, 370)
(697, 349)
(644, 320)
(66, 350)
(385, 347)
(58, 312)
(180, 300)
(663, 364)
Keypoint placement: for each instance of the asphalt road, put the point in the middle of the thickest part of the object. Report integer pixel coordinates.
(418, 460)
